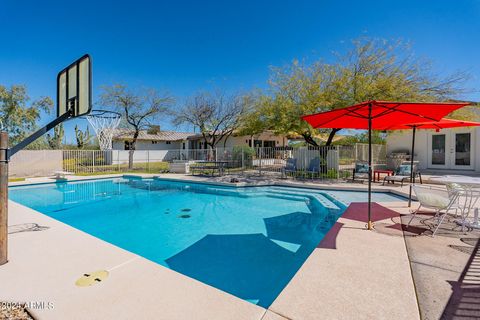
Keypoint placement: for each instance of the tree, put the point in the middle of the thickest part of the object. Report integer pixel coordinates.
(55, 141)
(216, 115)
(372, 70)
(468, 113)
(138, 108)
(17, 116)
(82, 137)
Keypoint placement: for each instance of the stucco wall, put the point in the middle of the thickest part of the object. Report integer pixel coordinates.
(143, 156)
(31, 163)
(232, 141)
(148, 145)
(402, 141)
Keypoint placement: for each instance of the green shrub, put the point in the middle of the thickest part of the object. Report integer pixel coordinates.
(248, 154)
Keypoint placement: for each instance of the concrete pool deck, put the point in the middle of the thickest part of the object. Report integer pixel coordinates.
(353, 273)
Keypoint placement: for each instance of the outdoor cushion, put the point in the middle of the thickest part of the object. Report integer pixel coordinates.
(433, 200)
(291, 164)
(314, 165)
(403, 170)
(361, 168)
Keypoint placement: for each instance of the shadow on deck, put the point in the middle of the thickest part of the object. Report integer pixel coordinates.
(464, 303)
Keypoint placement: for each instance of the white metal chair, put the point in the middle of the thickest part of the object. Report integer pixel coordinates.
(467, 198)
(437, 199)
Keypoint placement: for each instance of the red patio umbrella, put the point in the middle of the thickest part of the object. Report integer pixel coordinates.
(437, 125)
(379, 115)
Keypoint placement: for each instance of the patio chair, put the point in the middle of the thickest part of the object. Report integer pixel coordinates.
(361, 169)
(454, 189)
(437, 199)
(290, 167)
(313, 167)
(402, 174)
(466, 198)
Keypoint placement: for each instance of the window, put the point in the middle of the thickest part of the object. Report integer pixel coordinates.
(168, 142)
(183, 145)
(128, 145)
(438, 149)
(269, 143)
(154, 142)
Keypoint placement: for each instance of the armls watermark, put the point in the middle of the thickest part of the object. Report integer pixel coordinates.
(32, 305)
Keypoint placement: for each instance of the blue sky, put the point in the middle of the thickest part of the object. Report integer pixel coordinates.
(186, 46)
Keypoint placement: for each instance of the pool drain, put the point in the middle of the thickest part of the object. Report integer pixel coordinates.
(184, 216)
(92, 278)
(186, 210)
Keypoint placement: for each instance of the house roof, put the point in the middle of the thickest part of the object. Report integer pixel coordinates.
(194, 136)
(125, 134)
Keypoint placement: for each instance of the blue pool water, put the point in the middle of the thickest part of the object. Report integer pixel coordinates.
(246, 241)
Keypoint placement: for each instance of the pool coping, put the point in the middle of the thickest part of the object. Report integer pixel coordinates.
(188, 178)
(306, 284)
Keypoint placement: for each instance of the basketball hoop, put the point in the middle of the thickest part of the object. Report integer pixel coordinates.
(104, 123)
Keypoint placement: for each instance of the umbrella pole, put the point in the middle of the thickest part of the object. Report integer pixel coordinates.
(412, 176)
(370, 223)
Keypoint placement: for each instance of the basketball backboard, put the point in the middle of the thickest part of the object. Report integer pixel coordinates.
(74, 88)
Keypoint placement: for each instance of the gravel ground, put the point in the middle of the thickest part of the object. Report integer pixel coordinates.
(443, 268)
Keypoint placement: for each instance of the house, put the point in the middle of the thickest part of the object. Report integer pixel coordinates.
(266, 139)
(319, 137)
(455, 149)
(173, 140)
(150, 140)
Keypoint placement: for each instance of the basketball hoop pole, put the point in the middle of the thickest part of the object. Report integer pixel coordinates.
(71, 104)
(3, 196)
(21, 145)
(5, 155)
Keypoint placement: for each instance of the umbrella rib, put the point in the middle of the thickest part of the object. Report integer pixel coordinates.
(342, 115)
(407, 112)
(357, 115)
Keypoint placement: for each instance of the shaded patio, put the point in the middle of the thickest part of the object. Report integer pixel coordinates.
(443, 267)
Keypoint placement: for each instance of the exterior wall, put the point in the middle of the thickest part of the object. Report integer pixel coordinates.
(30, 163)
(143, 156)
(148, 145)
(280, 141)
(401, 141)
(476, 156)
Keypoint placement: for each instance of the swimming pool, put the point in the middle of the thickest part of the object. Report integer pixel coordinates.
(246, 241)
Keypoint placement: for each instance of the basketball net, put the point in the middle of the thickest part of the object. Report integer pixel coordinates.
(104, 124)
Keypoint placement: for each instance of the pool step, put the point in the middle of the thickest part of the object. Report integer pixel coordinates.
(282, 195)
(324, 201)
(324, 195)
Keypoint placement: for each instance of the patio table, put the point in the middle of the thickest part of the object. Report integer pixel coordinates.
(219, 165)
(472, 185)
(377, 172)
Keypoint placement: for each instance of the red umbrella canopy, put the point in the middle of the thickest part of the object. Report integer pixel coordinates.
(442, 124)
(383, 114)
